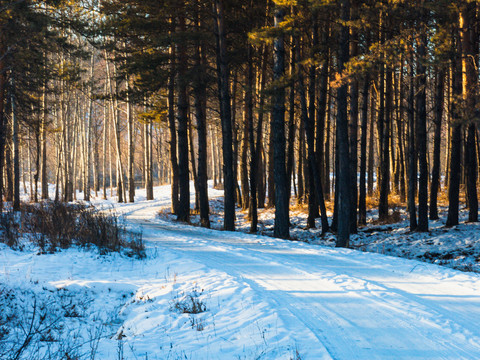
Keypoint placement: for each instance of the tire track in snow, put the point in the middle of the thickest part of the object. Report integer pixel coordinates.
(231, 252)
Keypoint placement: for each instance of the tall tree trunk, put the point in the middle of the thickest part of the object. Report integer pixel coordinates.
(322, 111)
(291, 115)
(412, 148)
(386, 141)
(225, 115)
(300, 156)
(385, 80)
(422, 131)
(148, 158)
(281, 227)
(310, 132)
(371, 145)
(400, 130)
(131, 141)
(470, 50)
(362, 200)
(261, 186)
(270, 171)
(435, 184)
(244, 155)
(343, 172)
(327, 146)
(251, 140)
(306, 127)
(43, 140)
(456, 138)
(173, 127)
(200, 102)
(183, 213)
(15, 147)
(237, 192)
(87, 184)
(3, 125)
(353, 130)
(116, 130)
(191, 149)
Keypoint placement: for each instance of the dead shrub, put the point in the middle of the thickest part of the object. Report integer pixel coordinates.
(53, 225)
(394, 217)
(9, 229)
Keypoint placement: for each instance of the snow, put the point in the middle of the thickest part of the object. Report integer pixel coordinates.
(265, 298)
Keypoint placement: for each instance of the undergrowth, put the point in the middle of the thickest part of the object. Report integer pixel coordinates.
(56, 225)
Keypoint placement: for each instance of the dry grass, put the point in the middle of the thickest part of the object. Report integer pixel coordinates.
(392, 218)
(56, 225)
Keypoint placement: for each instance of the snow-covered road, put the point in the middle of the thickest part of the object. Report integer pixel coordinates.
(342, 304)
(265, 298)
(336, 303)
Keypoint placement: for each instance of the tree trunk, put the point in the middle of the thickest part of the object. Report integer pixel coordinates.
(173, 127)
(343, 172)
(237, 192)
(244, 155)
(183, 213)
(310, 132)
(200, 102)
(270, 175)
(322, 111)
(312, 204)
(435, 184)
(3, 125)
(422, 133)
(15, 145)
(251, 140)
(400, 130)
(470, 50)
(353, 131)
(281, 227)
(371, 146)
(300, 156)
(131, 141)
(362, 200)
(87, 184)
(291, 115)
(43, 140)
(412, 149)
(225, 115)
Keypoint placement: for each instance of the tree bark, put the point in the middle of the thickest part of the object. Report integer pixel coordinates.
(353, 131)
(470, 50)
(225, 115)
(362, 200)
(15, 149)
(343, 172)
(200, 102)
(435, 184)
(173, 127)
(183, 213)
(412, 148)
(281, 227)
(422, 132)
(251, 141)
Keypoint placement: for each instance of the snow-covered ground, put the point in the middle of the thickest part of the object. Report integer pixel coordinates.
(264, 298)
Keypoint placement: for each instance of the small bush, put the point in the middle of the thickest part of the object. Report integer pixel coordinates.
(393, 218)
(52, 225)
(189, 303)
(9, 229)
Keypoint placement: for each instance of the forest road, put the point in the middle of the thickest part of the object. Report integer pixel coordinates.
(350, 304)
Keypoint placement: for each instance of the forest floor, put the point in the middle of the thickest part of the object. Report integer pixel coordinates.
(209, 294)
